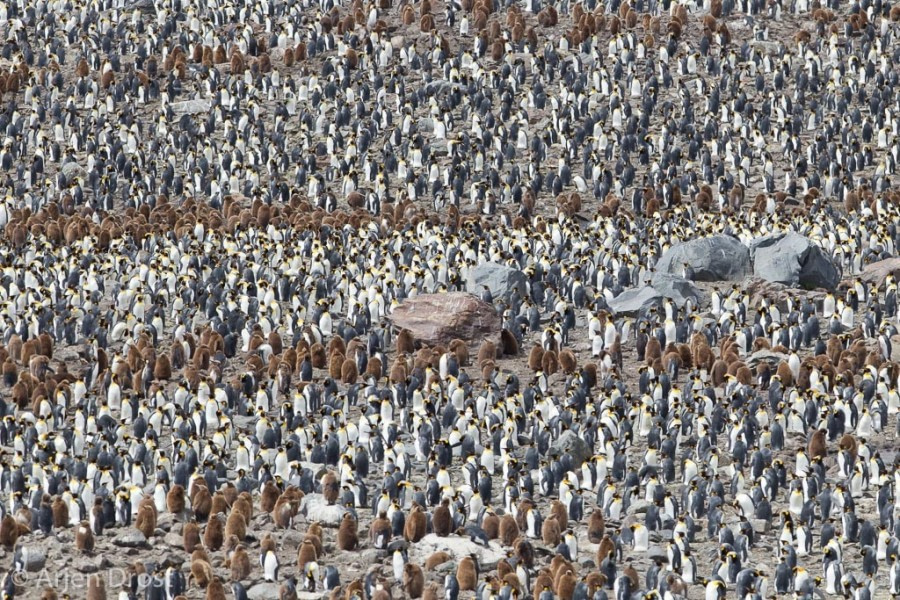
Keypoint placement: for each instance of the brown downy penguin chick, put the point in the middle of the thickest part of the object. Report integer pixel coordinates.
(567, 361)
(565, 584)
(96, 588)
(436, 559)
(331, 487)
(347, 537)
(214, 534)
(416, 525)
(487, 351)
(10, 372)
(848, 442)
(817, 447)
(509, 530)
(307, 553)
(524, 552)
(240, 564)
(596, 527)
(491, 525)
(380, 532)
(201, 572)
(316, 542)
(461, 350)
(145, 521)
(315, 528)
(784, 373)
(175, 501)
(60, 513)
(230, 545)
(442, 520)
(349, 372)
(413, 580)
(9, 532)
(606, 547)
(542, 583)
(162, 370)
(201, 503)
(215, 590)
(49, 594)
(283, 513)
(509, 345)
(550, 363)
(718, 372)
(432, 592)
(237, 63)
(269, 496)
(632, 574)
(244, 505)
(267, 543)
(235, 525)
(558, 509)
(84, 537)
(550, 533)
(335, 364)
(653, 350)
(190, 536)
(405, 342)
(467, 574)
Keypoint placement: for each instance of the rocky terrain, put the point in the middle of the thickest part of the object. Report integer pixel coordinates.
(622, 269)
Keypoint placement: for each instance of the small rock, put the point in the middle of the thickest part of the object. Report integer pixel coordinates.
(657, 553)
(773, 358)
(499, 279)
(86, 567)
(175, 540)
(131, 539)
(31, 558)
(569, 442)
(446, 567)
(314, 507)
(264, 591)
(760, 525)
(638, 507)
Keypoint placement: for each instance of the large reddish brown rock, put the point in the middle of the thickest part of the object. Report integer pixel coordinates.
(439, 318)
(877, 272)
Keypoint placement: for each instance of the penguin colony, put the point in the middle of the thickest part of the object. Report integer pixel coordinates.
(210, 210)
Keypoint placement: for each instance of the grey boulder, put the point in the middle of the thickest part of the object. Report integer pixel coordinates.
(191, 107)
(794, 260)
(714, 258)
(678, 289)
(570, 442)
(315, 508)
(638, 301)
(499, 279)
(72, 169)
